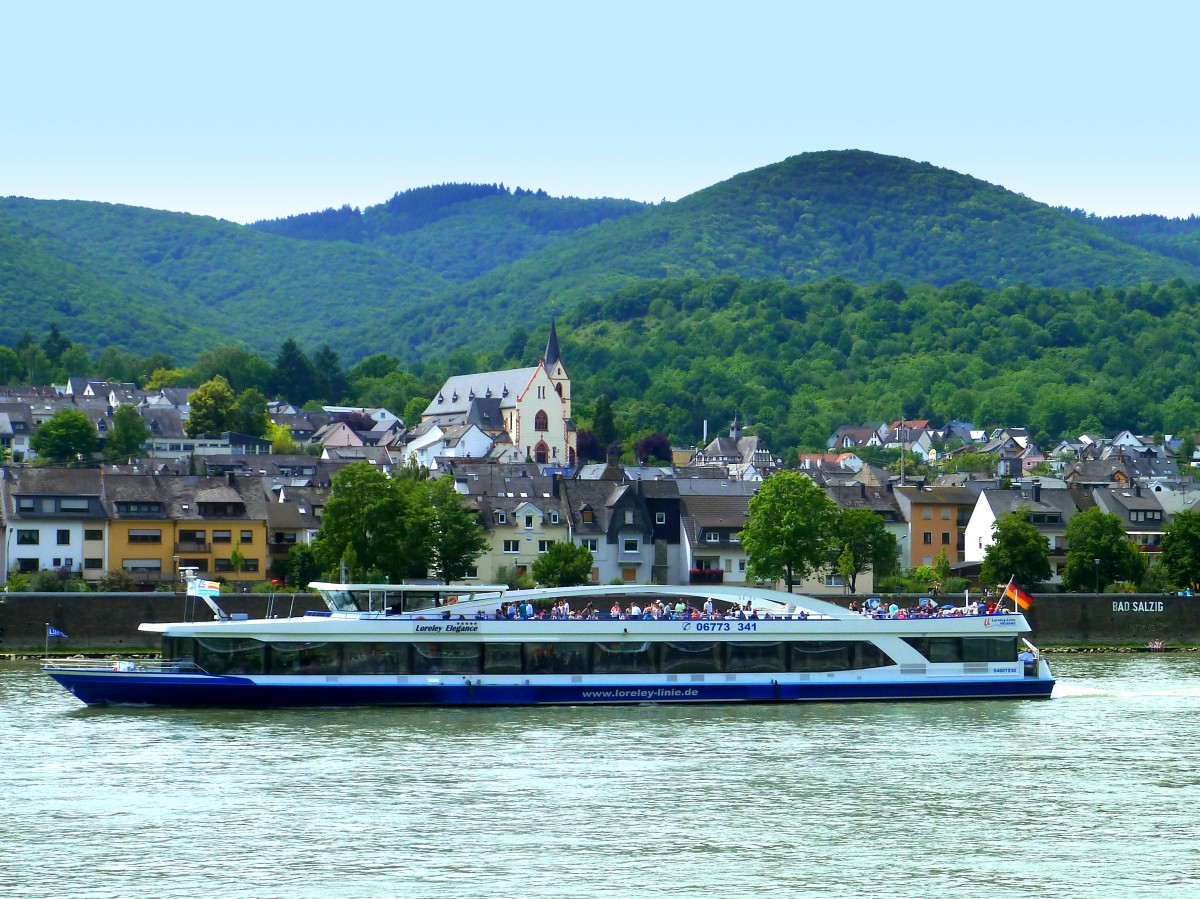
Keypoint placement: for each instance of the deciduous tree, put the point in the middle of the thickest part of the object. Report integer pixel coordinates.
(456, 539)
(66, 436)
(1018, 551)
(1181, 548)
(213, 408)
(127, 435)
(1098, 535)
(563, 564)
(861, 533)
(790, 529)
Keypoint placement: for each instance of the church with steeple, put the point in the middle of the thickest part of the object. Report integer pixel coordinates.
(527, 410)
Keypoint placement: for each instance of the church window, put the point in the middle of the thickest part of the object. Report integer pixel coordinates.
(541, 421)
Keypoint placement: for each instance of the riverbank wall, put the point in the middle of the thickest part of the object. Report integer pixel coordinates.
(109, 621)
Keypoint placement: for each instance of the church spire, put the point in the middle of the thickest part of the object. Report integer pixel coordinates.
(551, 355)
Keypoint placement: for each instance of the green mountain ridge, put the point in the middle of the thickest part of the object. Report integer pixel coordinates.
(454, 266)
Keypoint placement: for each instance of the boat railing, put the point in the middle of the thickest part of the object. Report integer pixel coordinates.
(148, 666)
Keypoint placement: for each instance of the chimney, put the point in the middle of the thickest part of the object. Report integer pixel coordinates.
(1137, 489)
(1037, 490)
(229, 478)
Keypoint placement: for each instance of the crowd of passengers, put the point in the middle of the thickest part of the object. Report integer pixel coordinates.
(927, 608)
(657, 610)
(652, 611)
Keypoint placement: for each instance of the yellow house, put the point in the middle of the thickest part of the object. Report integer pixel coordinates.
(159, 525)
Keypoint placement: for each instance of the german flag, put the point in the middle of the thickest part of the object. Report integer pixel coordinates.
(1019, 596)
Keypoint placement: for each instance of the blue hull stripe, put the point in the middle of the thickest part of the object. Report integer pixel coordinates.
(168, 690)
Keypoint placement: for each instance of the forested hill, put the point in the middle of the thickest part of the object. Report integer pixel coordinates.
(796, 361)
(459, 231)
(854, 214)
(452, 266)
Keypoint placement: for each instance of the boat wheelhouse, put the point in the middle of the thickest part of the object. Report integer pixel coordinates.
(394, 644)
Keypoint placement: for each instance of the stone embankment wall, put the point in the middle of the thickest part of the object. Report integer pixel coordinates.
(107, 621)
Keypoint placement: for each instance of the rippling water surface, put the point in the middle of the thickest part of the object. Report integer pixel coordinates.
(1095, 792)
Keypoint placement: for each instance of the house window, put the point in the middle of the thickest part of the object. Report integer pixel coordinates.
(191, 537)
(529, 522)
(590, 543)
(629, 516)
(927, 513)
(834, 580)
(541, 421)
(588, 516)
(145, 535)
(64, 537)
(72, 504)
(26, 566)
(93, 534)
(945, 539)
(198, 564)
(927, 560)
(512, 546)
(222, 536)
(712, 537)
(544, 545)
(93, 564)
(28, 538)
(945, 513)
(148, 565)
(26, 504)
(729, 564)
(247, 536)
(741, 564)
(630, 544)
(250, 565)
(927, 537)
(223, 565)
(660, 517)
(554, 518)
(501, 518)
(471, 573)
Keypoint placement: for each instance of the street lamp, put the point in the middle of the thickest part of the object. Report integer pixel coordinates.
(1097, 561)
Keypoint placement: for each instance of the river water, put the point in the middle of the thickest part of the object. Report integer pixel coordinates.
(1095, 792)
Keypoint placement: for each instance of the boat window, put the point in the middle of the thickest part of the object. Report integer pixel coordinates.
(820, 656)
(624, 658)
(230, 656)
(178, 649)
(304, 658)
(375, 658)
(501, 658)
(691, 658)
(756, 657)
(446, 658)
(556, 658)
(340, 601)
(868, 655)
(989, 649)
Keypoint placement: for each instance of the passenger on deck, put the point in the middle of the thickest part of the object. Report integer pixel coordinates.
(615, 611)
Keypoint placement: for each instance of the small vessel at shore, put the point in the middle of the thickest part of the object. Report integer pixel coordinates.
(397, 644)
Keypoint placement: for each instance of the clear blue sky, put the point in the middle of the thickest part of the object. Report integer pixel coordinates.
(248, 110)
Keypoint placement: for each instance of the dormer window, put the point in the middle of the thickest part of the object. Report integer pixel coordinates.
(588, 516)
(501, 518)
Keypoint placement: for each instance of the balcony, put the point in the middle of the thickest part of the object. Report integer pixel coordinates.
(280, 549)
(192, 546)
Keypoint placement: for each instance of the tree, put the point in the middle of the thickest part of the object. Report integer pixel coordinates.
(1018, 551)
(10, 366)
(378, 525)
(55, 344)
(563, 564)
(587, 447)
(1187, 449)
(330, 379)
(302, 566)
(1098, 535)
(251, 418)
(1181, 548)
(603, 425)
(281, 438)
(293, 378)
(164, 377)
(127, 435)
(213, 408)
(790, 529)
(972, 462)
(65, 436)
(456, 538)
(862, 534)
(653, 447)
(73, 362)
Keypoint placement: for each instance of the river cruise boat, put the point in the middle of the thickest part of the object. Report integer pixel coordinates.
(389, 644)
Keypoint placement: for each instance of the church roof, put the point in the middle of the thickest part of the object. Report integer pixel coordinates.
(457, 393)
